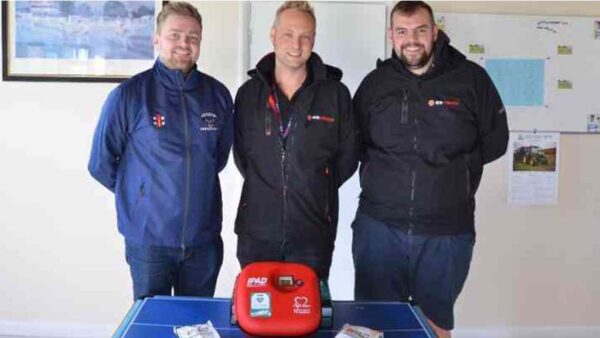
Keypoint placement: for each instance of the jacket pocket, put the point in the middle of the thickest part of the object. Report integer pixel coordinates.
(441, 189)
(468, 176)
(328, 195)
(138, 202)
(388, 124)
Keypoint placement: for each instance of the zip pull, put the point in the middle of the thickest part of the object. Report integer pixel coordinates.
(268, 123)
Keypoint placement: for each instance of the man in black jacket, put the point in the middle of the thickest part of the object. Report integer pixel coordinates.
(430, 120)
(295, 144)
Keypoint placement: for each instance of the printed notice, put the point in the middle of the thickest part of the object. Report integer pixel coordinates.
(475, 48)
(533, 168)
(593, 123)
(519, 81)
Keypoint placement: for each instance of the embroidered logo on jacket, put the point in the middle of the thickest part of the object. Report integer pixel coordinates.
(447, 102)
(323, 118)
(158, 120)
(209, 119)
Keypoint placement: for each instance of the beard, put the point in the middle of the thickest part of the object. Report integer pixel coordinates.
(415, 61)
(183, 63)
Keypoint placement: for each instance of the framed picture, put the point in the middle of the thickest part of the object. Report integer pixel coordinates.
(77, 41)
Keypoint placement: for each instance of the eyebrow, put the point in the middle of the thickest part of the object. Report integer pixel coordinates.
(182, 30)
(422, 26)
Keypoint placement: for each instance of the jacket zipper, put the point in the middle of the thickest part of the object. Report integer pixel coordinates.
(285, 188)
(468, 172)
(404, 111)
(413, 181)
(328, 195)
(187, 170)
(413, 178)
(284, 155)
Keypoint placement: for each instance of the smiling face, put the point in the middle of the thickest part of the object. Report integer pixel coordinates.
(413, 37)
(178, 42)
(293, 38)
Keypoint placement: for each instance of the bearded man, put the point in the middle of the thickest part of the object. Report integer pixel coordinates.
(430, 119)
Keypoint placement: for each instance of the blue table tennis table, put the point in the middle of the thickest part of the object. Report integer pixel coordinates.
(157, 316)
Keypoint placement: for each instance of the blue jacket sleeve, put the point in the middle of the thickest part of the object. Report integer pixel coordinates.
(226, 136)
(110, 139)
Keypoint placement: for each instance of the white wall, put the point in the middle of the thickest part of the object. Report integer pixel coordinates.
(61, 257)
(537, 266)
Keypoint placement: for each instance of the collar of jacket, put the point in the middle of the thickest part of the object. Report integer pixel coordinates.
(320, 71)
(174, 79)
(444, 57)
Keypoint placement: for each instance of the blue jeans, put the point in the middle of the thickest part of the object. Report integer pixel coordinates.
(166, 271)
(391, 265)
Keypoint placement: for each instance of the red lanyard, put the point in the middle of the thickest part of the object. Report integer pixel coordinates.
(273, 104)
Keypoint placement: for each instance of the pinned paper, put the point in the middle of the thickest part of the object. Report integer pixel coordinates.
(593, 123)
(441, 23)
(565, 50)
(565, 84)
(475, 48)
(534, 168)
(519, 81)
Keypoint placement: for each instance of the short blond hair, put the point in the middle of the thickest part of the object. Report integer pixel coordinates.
(302, 6)
(177, 8)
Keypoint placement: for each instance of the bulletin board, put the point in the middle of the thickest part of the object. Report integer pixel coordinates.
(546, 68)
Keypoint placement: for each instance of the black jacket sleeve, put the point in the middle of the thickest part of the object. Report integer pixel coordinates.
(347, 159)
(361, 113)
(239, 155)
(492, 121)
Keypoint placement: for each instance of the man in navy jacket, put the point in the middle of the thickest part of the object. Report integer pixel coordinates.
(162, 138)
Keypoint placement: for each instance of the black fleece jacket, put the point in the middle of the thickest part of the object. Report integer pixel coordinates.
(290, 191)
(426, 139)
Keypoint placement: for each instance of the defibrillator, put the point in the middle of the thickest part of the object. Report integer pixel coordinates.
(279, 299)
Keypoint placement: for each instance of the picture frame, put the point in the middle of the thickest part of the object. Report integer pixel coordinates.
(77, 41)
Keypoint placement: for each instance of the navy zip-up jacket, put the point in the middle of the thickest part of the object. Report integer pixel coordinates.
(159, 145)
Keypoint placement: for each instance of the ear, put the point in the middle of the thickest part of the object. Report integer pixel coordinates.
(155, 40)
(390, 36)
(272, 36)
(435, 32)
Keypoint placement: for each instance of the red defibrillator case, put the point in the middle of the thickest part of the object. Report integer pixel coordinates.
(277, 299)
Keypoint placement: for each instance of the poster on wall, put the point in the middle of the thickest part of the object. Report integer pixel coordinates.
(533, 168)
(77, 40)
